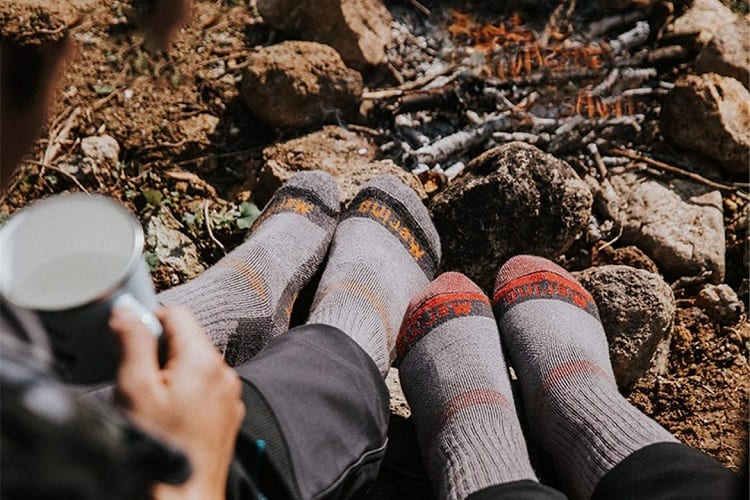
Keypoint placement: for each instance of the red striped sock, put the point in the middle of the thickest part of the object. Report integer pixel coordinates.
(454, 377)
(553, 337)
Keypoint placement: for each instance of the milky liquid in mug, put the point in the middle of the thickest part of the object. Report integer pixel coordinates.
(69, 281)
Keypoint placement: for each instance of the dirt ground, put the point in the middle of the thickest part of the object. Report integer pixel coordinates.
(189, 144)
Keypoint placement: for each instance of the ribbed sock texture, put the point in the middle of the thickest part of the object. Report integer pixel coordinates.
(455, 379)
(245, 299)
(551, 331)
(384, 251)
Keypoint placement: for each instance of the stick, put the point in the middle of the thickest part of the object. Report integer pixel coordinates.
(421, 8)
(60, 171)
(402, 89)
(56, 139)
(462, 140)
(602, 26)
(678, 171)
(631, 39)
(598, 160)
(208, 226)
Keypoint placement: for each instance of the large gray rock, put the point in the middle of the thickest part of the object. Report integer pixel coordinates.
(295, 84)
(171, 246)
(722, 37)
(710, 114)
(514, 199)
(680, 226)
(348, 157)
(637, 309)
(359, 30)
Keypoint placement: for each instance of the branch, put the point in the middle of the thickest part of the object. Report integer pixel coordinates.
(679, 171)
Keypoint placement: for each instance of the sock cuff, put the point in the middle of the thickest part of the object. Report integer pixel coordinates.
(527, 277)
(313, 195)
(450, 296)
(393, 205)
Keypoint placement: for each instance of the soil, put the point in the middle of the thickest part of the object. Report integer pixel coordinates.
(186, 136)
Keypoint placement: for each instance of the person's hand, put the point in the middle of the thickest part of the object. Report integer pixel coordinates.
(193, 402)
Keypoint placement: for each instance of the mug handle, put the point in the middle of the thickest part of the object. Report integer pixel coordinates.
(147, 317)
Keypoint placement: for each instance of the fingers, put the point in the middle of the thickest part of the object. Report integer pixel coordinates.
(139, 365)
(186, 340)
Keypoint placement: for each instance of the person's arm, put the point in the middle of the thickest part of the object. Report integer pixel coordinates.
(193, 402)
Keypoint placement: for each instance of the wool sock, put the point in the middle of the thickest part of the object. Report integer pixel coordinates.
(384, 251)
(246, 298)
(455, 380)
(555, 341)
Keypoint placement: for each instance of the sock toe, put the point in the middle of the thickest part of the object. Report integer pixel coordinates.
(403, 194)
(322, 184)
(523, 265)
(449, 296)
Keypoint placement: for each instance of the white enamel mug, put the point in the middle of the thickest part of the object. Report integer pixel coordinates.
(71, 258)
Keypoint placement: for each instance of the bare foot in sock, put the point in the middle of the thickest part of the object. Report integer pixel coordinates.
(384, 251)
(245, 299)
(554, 340)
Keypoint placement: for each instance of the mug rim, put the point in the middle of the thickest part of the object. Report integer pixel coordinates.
(127, 271)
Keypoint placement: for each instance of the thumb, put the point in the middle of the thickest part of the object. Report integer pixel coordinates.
(139, 362)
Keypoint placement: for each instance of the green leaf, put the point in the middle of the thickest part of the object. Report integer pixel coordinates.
(103, 90)
(130, 194)
(153, 196)
(249, 209)
(152, 260)
(249, 213)
(189, 218)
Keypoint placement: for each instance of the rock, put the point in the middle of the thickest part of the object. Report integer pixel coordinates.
(198, 128)
(359, 30)
(626, 256)
(295, 84)
(513, 199)
(35, 22)
(171, 246)
(343, 154)
(722, 37)
(679, 226)
(103, 149)
(728, 54)
(637, 309)
(721, 304)
(399, 405)
(710, 114)
(705, 20)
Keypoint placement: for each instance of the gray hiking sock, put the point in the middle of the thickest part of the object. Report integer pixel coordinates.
(246, 298)
(384, 251)
(551, 331)
(455, 380)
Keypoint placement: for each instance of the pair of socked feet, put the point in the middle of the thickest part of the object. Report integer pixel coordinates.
(382, 253)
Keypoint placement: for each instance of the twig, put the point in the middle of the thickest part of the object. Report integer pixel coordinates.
(365, 130)
(402, 89)
(208, 226)
(631, 39)
(461, 141)
(678, 171)
(60, 171)
(598, 28)
(104, 100)
(58, 137)
(421, 8)
(598, 160)
(613, 240)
